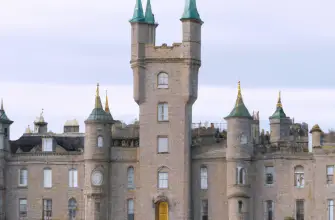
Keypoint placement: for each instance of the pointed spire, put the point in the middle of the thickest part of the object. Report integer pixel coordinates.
(279, 105)
(106, 104)
(279, 113)
(240, 110)
(1, 108)
(138, 15)
(149, 16)
(191, 11)
(3, 117)
(97, 98)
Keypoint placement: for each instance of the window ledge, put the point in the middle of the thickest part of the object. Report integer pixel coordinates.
(163, 152)
(22, 186)
(163, 121)
(268, 185)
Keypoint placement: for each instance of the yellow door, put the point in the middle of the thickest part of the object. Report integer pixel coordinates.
(163, 211)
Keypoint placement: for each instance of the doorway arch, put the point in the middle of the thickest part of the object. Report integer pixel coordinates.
(162, 211)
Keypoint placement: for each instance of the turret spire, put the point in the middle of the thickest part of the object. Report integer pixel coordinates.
(279, 113)
(97, 98)
(191, 11)
(106, 104)
(138, 15)
(3, 116)
(1, 108)
(239, 109)
(149, 16)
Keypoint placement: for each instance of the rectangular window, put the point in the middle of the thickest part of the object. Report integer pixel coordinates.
(47, 144)
(300, 211)
(330, 174)
(269, 171)
(269, 207)
(163, 112)
(47, 178)
(23, 207)
(47, 209)
(73, 178)
(23, 177)
(330, 209)
(163, 179)
(130, 209)
(163, 144)
(203, 178)
(204, 209)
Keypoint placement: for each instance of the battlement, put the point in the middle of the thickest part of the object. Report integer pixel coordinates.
(175, 51)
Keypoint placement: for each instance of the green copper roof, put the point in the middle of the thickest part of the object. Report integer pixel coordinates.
(98, 114)
(138, 15)
(3, 117)
(279, 113)
(240, 110)
(191, 11)
(149, 16)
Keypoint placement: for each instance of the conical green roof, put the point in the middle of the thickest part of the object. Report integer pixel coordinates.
(279, 113)
(3, 117)
(138, 15)
(240, 110)
(191, 11)
(98, 114)
(149, 16)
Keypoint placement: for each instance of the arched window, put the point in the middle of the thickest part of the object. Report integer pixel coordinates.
(162, 81)
(203, 177)
(240, 206)
(299, 179)
(163, 178)
(100, 141)
(72, 208)
(130, 175)
(240, 175)
(130, 209)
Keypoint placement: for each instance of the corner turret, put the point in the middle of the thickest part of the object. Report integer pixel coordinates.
(40, 125)
(239, 152)
(316, 136)
(5, 123)
(279, 123)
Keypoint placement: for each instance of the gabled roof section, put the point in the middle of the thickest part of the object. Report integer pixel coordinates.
(279, 113)
(240, 110)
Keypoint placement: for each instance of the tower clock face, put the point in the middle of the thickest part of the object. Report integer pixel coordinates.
(97, 178)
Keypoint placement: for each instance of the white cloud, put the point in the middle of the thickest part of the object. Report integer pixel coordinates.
(23, 102)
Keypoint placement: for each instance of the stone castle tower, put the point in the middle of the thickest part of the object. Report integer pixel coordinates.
(97, 157)
(165, 88)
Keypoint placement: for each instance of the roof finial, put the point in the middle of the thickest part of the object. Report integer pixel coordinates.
(279, 105)
(1, 104)
(97, 98)
(106, 104)
(239, 94)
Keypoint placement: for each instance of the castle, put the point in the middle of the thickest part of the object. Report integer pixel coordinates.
(163, 167)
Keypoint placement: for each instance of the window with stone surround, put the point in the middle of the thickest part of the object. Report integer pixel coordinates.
(163, 144)
(240, 206)
(130, 209)
(130, 175)
(204, 209)
(163, 112)
(47, 144)
(330, 174)
(22, 208)
(330, 209)
(163, 178)
(269, 175)
(72, 206)
(203, 177)
(300, 209)
(47, 209)
(299, 176)
(269, 210)
(240, 175)
(162, 80)
(73, 178)
(47, 181)
(23, 177)
(100, 141)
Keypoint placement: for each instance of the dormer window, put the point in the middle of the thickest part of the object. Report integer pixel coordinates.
(100, 141)
(47, 145)
(163, 81)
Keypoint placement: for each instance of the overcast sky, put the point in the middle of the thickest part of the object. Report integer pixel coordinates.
(53, 52)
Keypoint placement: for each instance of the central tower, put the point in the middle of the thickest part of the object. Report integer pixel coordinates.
(165, 88)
